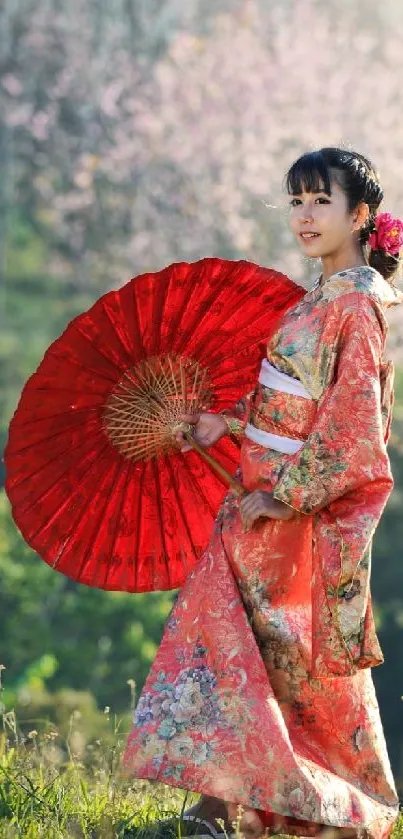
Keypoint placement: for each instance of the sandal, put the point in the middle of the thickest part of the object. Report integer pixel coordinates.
(190, 826)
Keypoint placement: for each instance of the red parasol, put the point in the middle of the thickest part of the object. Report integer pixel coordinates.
(88, 493)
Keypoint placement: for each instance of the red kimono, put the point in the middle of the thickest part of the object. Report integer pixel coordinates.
(261, 691)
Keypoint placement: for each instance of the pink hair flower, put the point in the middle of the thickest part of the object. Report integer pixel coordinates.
(388, 235)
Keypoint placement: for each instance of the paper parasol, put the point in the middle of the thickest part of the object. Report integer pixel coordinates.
(108, 501)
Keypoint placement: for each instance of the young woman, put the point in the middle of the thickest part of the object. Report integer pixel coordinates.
(261, 693)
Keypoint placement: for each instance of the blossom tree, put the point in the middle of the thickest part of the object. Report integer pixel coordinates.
(139, 144)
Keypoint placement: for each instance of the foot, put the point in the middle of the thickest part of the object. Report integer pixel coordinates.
(210, 809)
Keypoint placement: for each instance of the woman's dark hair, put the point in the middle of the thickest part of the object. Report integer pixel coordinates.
(358, 179)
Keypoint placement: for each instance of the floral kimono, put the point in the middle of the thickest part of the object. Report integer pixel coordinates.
(261, 691)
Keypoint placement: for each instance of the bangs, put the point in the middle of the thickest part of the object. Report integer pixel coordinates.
(309, 173)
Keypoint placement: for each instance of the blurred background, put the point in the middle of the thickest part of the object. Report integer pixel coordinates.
(135, 133)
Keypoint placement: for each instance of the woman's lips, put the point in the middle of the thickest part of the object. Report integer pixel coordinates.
(311, 237)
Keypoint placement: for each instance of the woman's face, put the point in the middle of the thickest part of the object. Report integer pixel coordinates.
(321, 223)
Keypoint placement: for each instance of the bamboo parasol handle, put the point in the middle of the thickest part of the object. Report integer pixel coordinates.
(214, 464)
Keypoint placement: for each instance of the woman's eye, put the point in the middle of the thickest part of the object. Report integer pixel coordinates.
(296, 202)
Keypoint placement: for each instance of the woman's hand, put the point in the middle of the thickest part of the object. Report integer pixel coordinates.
(208, 429)
(259, 503)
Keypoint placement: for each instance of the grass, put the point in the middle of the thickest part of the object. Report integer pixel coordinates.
(55, 787)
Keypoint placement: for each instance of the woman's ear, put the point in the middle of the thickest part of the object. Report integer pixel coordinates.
(360, 216)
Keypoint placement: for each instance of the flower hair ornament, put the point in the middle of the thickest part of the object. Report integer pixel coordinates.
(387, 235)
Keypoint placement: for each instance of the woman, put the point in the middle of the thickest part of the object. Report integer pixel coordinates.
(261, 692)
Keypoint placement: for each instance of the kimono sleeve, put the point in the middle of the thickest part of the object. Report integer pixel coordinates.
(346, 449)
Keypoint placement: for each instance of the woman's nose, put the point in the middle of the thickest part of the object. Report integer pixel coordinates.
(307, 214)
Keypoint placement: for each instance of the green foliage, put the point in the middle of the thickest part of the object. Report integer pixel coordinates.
(54, 786)
(26, 331)
(387, 589)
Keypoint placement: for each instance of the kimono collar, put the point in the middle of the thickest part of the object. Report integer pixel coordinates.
(361, 278)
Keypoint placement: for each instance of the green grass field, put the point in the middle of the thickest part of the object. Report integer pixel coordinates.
(54, 787)
(61, 787)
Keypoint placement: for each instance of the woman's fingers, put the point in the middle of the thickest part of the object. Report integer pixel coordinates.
(246, 504)
(247, 512)
(248, 523)
(180, 439)
(261, 503)
(183, 444)
(252, 507)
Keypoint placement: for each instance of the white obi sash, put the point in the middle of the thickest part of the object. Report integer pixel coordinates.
(270, 377)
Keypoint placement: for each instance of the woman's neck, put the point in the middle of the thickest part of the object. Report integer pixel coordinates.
(341, 262)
